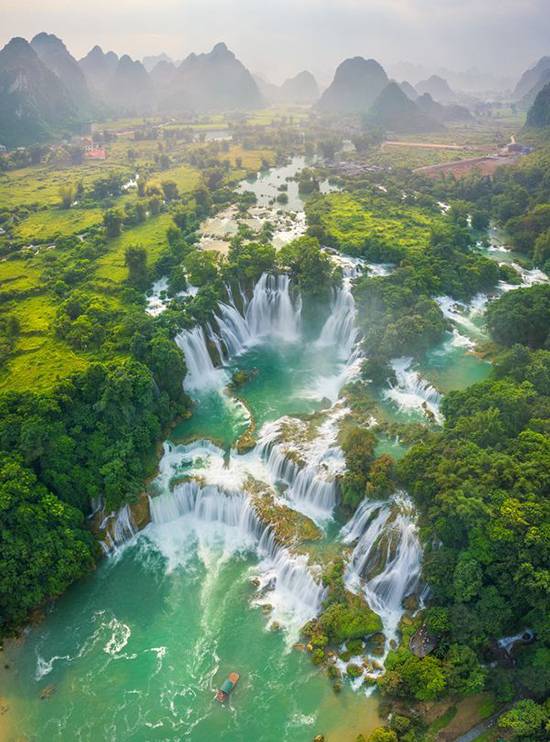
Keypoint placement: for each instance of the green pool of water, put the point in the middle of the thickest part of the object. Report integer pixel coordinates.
(136, 653)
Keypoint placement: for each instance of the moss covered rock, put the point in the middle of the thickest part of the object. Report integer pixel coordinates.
(289, 526)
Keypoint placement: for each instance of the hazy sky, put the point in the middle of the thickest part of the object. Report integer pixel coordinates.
(280, 37)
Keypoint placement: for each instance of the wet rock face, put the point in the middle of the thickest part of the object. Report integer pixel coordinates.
(141, 512)
(289, 526)
(410, 603)
(422, 642)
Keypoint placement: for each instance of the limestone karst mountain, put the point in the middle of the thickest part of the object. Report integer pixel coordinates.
(531, 78)
(539, 113)
(54, 54)
(301, 89)
(438, 88)
(356, 85)
(215, 81)
(33, 100)
(441, 113)
(394, 112)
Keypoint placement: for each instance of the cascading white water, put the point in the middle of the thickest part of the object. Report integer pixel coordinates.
(530, 277)
(386, 560)
(339, 331)
(311, 488)
(508, 642)
(411, 392)
(202, 375)
(269, 315)
(294, 596)
(271, 311)
(233, 330)
(158, 299)
(119, 528)
(215, 518)
(461, 314)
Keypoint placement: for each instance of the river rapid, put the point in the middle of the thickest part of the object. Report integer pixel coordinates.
(136, 650)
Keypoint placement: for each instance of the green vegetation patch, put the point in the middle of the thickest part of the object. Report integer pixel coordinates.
(151, 235)
(290, 526)
(186, 178)
(18, 276)
(38, 364)
(40, 184)
(351, 220)
(47, 225)
(35, 314)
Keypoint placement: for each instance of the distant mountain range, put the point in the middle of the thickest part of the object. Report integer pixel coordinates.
(45, 91)
(299, 90)
(361, 86)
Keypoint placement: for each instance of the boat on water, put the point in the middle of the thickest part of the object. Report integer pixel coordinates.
(227, 687)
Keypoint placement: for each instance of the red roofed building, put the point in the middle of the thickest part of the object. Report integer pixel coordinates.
(95, 154)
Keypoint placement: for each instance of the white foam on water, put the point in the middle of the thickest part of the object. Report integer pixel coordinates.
(386, 561)
(312, 489)
(411, 393)
(202, 375)
(120, 635)
(158, 300)
(196, 519)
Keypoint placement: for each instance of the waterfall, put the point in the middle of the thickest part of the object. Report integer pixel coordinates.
(287, 586)
(339, 331)
(460, 314)
(202, 375)
(508, 642)
(216, 518)
(270, 314)
(386, 561)
(311, 488)
(233, 329)
(412, 392)
(119, 529)
(530, 277)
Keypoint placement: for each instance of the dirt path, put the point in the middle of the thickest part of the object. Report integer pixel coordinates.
(425, 145)
(483, 726)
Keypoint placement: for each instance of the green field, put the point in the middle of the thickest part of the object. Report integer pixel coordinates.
(47, 225)
(40, 359)
(40, 184)
(18, 276)
(269, 116)
(350, 220)
(151, 235)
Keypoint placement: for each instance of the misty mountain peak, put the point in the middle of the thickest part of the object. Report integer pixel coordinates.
(357, 83)
(18, 45)
(213, 81)
(47, 39)
(221, 48)
(438, 88)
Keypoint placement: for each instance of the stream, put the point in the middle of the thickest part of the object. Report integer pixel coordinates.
(137, 650)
